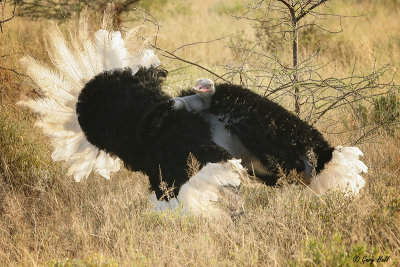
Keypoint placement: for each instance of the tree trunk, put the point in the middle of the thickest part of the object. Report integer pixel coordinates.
(295, 70)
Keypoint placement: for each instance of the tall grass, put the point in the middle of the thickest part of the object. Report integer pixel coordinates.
(48, 219)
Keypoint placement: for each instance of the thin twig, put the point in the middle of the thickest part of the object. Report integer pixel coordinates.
(10, 18)
(14, 71)
(173, 56)
(153, 20)
(201, 42)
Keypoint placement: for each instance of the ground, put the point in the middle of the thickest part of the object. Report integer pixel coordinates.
(46, 218)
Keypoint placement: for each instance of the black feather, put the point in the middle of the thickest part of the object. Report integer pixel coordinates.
(129, 116)
(268, 131)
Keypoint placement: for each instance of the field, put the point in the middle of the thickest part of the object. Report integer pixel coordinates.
(46, 218)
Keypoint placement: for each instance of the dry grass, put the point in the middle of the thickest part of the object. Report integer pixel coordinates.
(48, 219)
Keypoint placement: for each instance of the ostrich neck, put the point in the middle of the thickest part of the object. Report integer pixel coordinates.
(207, 100)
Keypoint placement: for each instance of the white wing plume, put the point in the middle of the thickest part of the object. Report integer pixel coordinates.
(200, 194)
(76, 61)
(342, 172)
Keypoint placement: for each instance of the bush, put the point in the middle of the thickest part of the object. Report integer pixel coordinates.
(386, 112)
(24, 160)
(333, 252)
(64, 9)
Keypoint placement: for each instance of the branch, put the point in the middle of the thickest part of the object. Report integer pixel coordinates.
(322, 28)
(366, 134)
(303, 13)
(153, 20)
(10, 18)
(14, 71)
(173, 56)
(201, 42)
(290, 7)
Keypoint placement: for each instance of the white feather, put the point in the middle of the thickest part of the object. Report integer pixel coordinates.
(341, 173)
(65, 147)
(200, 194)
(75, 62)
(48, 107)
(112, 48)
(81, 169)
(52, 83)
(146, 59)
(64, 59)
(104, 165)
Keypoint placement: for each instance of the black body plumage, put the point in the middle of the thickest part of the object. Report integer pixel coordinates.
(270, 132)
(129, 116)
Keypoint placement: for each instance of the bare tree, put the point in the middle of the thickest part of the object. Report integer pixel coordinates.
(287, 18)
(3, 20)
(279, 23)
(297, 11)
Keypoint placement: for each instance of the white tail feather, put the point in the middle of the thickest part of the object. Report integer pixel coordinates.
(64, 59)
(341, 173)
(52, 83)
(76, 62)
(199, 195)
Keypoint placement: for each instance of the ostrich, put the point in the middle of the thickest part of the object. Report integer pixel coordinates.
(265, 136)
(103, 105)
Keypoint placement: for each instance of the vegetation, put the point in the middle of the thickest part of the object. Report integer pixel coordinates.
(48, 219)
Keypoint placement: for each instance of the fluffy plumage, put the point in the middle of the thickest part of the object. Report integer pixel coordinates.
(75, 63)
(103, 103)
(111, 107)
(61, 87)
(268, 131)
(202, 191)
(341, 173)
(267, 136)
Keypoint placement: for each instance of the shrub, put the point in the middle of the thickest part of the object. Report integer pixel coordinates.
(386, 112)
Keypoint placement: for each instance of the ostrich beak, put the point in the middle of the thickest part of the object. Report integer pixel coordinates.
(200, 89)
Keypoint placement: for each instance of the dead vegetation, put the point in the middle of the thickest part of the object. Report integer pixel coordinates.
(48, 219)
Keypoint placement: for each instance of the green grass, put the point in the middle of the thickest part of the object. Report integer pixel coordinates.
(333, 252)
(23, 158)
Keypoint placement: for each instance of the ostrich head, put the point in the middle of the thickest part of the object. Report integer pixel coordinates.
(205, 88)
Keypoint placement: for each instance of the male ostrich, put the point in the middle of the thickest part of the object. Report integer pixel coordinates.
(264, 135)
(103, 103)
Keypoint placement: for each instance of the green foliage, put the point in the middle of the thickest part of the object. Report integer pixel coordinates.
(229, 8)
(313, 38)
(64, 9)
(333, 252)
(383, 114)
(93, 260)
(386, 112)
(361, 113)
(23, 158)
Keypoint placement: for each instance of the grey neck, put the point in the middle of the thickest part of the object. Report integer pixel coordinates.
(207, 100)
